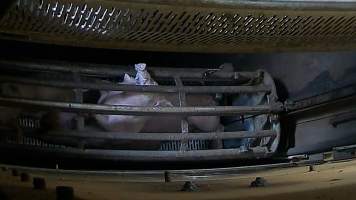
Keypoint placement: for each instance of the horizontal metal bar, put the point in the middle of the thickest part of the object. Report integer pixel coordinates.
(142, 155)
(137, 110)
(135, 88)
(155, 175)
(117, 140)
(161, 136)
(110, 70)
(343, 118)
(324, 5)
(321, 99)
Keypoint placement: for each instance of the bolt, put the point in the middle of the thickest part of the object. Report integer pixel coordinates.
(189, 187)
(14, 172)
(39, 183)
(64, 193)
(25, 177)
(258, 182)
(311, 168)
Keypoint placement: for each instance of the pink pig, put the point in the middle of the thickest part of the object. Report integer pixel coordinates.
(134, 124)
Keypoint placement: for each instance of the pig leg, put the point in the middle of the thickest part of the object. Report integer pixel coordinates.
(218, 144)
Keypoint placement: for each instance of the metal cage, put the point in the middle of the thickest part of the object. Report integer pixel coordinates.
(94, 145)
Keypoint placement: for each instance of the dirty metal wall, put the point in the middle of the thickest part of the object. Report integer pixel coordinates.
(305, 75)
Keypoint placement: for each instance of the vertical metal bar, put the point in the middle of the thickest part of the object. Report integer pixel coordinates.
(218, 143)
(182, 103)
(79, 99)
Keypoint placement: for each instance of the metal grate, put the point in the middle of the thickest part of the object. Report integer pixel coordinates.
(191, 145)
(29, 122)
(179, 28)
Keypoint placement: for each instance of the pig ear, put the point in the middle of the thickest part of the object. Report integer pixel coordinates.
(129, 80)
(103, 95)
(163, 103)
(103, 92)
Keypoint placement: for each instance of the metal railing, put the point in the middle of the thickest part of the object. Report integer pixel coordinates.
(257, 83)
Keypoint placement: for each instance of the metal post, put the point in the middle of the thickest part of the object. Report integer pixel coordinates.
(184, 122)
(78, 99)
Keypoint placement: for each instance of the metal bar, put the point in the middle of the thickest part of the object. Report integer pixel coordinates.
(332, 104)
(110, 70)
(114, 140)
(343, 118)
(79, 99)
(143, 155)
(102, 142)
(161, 136)
(144, 88)
(322, 99)
(334, 5)
(157, 175)
(137, 110)
(184, 122)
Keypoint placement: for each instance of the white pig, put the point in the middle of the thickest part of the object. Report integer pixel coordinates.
(134, 124)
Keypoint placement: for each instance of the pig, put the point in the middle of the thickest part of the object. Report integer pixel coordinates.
(173, 123)
(126, 123)
(134, 124)
(50, 119)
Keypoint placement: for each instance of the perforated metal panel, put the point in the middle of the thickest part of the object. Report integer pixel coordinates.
(175, 27)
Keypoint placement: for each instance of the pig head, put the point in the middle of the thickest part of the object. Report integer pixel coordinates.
(52, 119)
